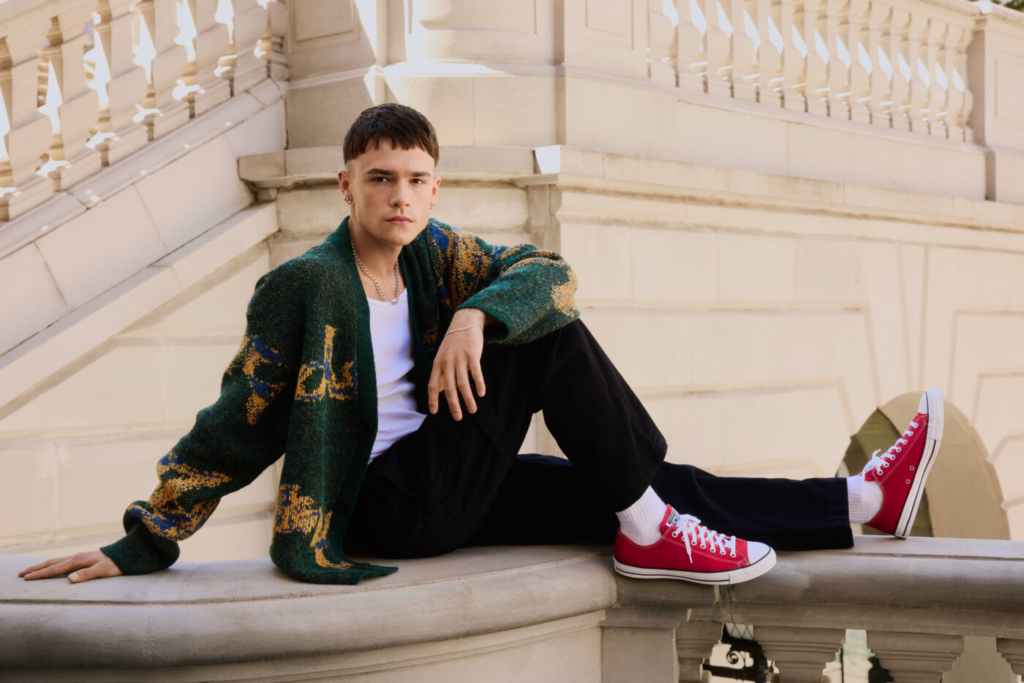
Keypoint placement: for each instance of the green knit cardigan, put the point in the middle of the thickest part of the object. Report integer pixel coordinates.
(303, 383)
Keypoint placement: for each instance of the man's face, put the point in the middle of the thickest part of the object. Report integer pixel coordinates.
(392, 190)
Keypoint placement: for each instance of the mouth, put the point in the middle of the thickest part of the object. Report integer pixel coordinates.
(400, 220)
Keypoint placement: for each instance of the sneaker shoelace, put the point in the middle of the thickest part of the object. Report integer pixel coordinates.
(878, 462)
(693, 532)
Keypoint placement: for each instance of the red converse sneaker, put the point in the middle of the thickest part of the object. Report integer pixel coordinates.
(692, 552)
(902, 470)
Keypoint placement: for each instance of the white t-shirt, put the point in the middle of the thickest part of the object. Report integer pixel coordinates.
(392, 358)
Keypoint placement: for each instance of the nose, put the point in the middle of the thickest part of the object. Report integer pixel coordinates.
(401, 195)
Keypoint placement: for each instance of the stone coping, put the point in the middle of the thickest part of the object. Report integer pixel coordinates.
(243, 611)
(624, 174)
(922, 585)
(248, 610)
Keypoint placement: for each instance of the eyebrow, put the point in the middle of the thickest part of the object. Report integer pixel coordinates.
(392, 174)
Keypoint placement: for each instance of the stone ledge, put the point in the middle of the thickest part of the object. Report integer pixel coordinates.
(229, 612)
(222, 613)
(925, 585)
(311, 166)
(656, 178)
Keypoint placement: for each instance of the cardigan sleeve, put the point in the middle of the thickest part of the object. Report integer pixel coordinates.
(530, 291)
(232, 441)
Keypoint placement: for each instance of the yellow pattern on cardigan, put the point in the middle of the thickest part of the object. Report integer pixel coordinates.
(340, 386)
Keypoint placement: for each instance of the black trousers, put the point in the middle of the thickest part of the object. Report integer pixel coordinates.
(453, 484)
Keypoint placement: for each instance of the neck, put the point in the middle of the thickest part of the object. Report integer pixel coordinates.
(378, 257)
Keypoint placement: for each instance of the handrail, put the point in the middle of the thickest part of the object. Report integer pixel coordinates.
(921, 595)
(113, 75)
(899, 65)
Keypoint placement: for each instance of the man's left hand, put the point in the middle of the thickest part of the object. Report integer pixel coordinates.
(457, 359)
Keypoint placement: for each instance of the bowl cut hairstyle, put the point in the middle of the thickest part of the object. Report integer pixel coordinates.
(403, 126)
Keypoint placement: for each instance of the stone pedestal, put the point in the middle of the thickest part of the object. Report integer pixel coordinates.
(915, 657)
(639, 646)
(800, 653)
(1013, 652)
(694, 642)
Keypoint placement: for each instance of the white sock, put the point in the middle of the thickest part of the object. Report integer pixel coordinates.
(864, 499)
(641, 521)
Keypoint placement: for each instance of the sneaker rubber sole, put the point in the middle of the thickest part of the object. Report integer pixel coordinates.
(751, 571)
(933, 400)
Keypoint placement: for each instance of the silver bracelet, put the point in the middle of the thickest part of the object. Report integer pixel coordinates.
(460, 329)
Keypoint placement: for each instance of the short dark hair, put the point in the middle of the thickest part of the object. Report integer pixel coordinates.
(403, 126)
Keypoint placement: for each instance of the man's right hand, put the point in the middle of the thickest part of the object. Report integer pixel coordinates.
(81, 567)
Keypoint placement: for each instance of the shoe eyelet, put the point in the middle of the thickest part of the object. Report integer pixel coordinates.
(675, 534)
(703, 547)
(899, 450)
(908, 481)
(885, 463)
(693, 542)
(732, 554)
(713, 550)
(911, 468)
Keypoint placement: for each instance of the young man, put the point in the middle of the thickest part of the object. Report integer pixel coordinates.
(398, 365)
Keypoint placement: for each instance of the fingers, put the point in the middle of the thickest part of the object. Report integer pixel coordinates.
(478, 377)
(434, 387)
(58, 567)
(451, 392)
(81, 567)
(462, 376)
(42, 565)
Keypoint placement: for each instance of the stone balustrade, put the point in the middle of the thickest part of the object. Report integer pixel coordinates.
(899, 65)
(559, 613)
(86, 83)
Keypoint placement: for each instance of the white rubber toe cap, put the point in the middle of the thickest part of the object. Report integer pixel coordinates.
(757, 551)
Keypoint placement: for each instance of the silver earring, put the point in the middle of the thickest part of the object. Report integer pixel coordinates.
(348, 200)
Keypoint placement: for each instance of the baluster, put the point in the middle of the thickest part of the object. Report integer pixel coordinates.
(272, 43)
(838, 78)
(741, 56)
(716, 51)
(206, 88)
(689, 49)
(800, 653)
(31, 132)
(960, 115)
(918, 88)
(694, 642)
(954, 96)
(936, 93)
(900, 98)
(860, 84)
(792, 60)
(80, 105)
(769, 60)
(127, 85)
(660, 68)
(250, 23)
(881, 83)
(814, 64)
(169, 64)
(915, 657)
(1013, 652)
